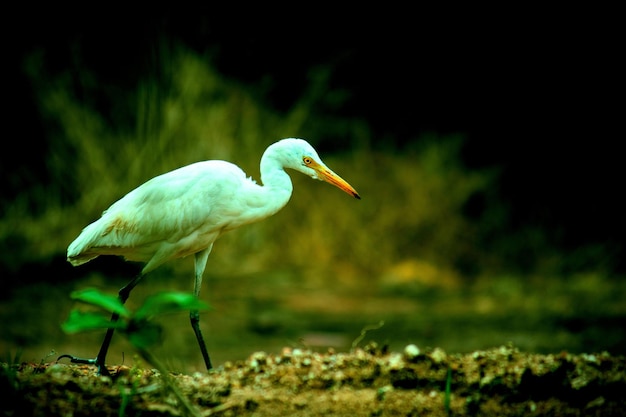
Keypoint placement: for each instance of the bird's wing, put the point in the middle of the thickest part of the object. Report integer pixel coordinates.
(172, 215)
(175, 204)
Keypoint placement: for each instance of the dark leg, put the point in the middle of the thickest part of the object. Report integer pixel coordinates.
(194, 316)
(104, 348)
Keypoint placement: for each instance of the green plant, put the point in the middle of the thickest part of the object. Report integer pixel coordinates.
(446, 398)
(127, 394)
(137, 326)
(364, 331)
(8, 372)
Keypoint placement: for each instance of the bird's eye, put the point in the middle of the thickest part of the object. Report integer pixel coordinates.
(307, 160)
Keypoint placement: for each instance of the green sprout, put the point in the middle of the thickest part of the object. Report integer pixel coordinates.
(364, 331)
(446, 400)
(137, 326)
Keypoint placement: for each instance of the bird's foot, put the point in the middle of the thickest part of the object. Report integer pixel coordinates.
(102, 370)
(74, 359)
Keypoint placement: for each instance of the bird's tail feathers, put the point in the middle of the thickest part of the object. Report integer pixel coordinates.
(79, 260)
(78, 252)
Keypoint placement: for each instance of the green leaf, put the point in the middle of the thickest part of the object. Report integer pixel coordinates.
(169, 302)
(106, 301)
(79, 321)
(145, 335)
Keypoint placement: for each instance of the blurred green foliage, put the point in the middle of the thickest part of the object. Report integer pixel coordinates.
(419, 203)
(411, 253)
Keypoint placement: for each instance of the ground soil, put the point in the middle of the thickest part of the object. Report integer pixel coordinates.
(369, 381)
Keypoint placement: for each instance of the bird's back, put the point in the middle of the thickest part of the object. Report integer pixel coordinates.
(173, 215)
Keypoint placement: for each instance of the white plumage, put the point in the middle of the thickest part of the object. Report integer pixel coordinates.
(184, 211)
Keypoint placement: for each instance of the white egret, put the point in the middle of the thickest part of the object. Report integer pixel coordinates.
(184, 211)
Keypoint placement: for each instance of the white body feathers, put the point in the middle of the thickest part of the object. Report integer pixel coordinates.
(184, 211)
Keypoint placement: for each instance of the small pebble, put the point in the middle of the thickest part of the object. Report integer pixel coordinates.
(438, 355)
(411, 352)
(395, 361)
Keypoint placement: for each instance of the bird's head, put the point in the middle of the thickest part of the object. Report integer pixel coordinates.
(299, 155)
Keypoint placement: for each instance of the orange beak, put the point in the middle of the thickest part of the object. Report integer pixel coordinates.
(325, 174)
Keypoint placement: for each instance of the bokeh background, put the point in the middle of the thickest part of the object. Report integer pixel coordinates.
(486, 151)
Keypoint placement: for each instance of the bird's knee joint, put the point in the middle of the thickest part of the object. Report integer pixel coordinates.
(194, 316)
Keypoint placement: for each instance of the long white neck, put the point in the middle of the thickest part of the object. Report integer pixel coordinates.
(261, 201)
(277, 186)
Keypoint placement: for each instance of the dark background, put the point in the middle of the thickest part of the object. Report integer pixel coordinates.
(537, 93)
